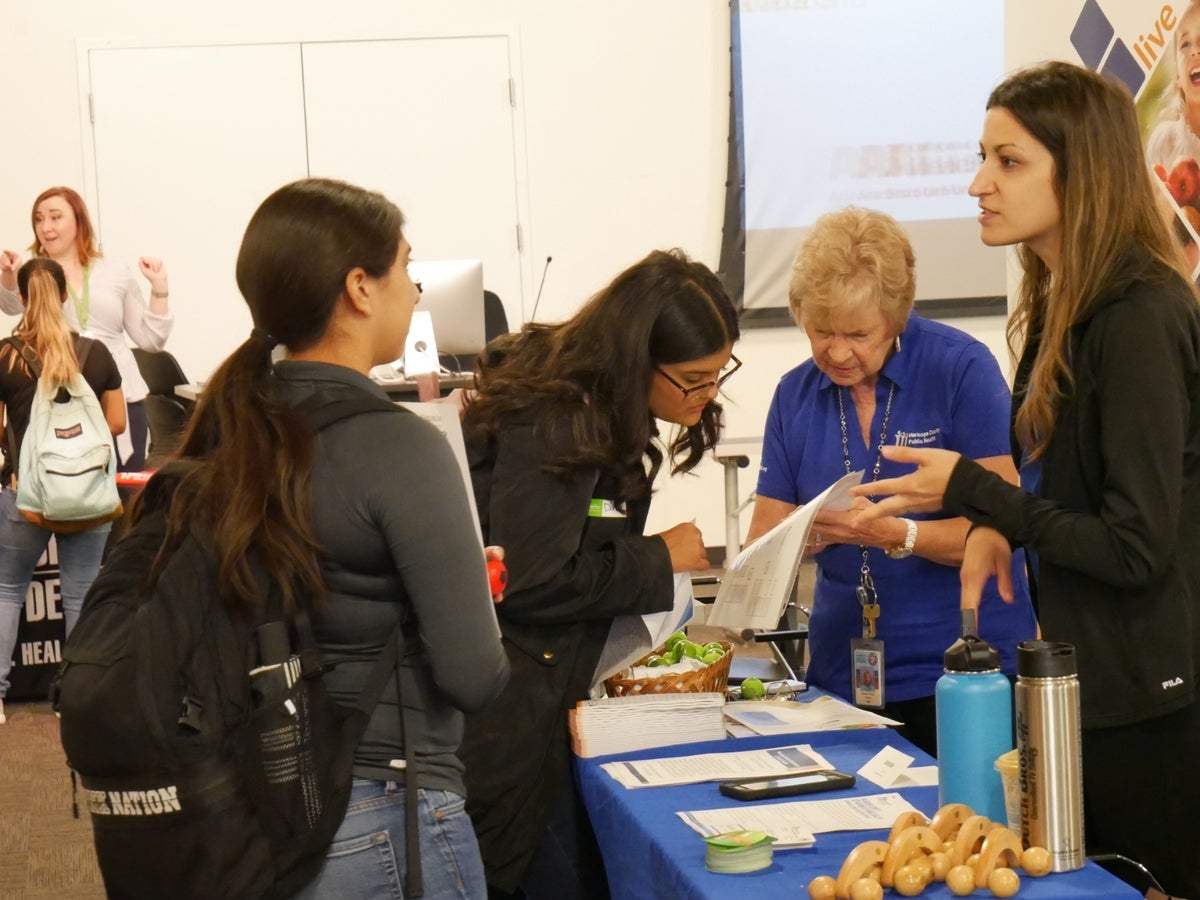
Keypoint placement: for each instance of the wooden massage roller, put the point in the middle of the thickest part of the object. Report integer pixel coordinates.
(964, 850)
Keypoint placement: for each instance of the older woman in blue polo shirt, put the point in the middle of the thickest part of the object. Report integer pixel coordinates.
(886, 602)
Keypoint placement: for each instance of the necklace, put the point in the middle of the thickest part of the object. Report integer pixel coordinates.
(867, 596)
(82, 301)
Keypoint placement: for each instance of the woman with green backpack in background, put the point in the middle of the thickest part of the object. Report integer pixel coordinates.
(44, 330)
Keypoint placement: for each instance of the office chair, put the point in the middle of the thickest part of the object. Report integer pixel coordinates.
(167, 417)
(166, 414)
(495, 323)
(495, 319)
(160, 370)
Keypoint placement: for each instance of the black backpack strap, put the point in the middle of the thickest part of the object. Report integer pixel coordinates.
(322, 410)
(27, 353)
(368, 698)
(414, 885)
(35, 366)
(9, 435)
(83, 346)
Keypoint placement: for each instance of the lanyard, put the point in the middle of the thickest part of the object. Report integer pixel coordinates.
(866, 586)
(82, 300)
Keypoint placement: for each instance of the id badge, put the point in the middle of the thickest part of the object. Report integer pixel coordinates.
(866, 667)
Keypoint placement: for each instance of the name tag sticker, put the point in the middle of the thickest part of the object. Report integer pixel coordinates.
(604, 509)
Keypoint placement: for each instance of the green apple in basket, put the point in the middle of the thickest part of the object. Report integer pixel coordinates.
(674, 639)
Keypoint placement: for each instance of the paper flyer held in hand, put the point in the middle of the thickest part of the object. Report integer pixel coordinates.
(444, 417)
(756, 587)
(632, 637)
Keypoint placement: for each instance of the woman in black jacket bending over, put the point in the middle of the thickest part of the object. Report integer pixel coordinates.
(562, 440)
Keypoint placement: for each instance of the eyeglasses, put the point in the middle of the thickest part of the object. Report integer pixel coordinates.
(708, 385)
(420, 290)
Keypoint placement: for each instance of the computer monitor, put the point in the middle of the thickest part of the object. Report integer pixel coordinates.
(452, 294)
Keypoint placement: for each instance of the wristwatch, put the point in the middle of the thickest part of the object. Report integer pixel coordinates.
(910, 540)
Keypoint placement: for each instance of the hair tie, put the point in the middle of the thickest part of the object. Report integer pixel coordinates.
(261, 334)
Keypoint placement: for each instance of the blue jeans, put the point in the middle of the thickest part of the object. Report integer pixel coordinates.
(366, 859)
(21, 545)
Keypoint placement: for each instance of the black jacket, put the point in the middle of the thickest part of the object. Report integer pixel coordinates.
(570, 574)
(1116, 522)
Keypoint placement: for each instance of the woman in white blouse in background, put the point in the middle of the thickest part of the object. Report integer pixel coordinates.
(105, 300)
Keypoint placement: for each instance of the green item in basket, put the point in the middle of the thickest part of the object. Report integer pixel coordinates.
(674, 639)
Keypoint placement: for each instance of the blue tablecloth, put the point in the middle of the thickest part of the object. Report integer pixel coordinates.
(649, 853)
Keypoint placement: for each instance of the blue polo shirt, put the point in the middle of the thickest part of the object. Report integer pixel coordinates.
(950, 394)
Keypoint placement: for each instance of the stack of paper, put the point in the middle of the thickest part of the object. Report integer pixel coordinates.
(794, 824)
(769, 762)
(636, 722)
(824, 713)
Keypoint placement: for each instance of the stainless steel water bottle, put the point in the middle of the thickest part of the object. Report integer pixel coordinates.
(1049, 752)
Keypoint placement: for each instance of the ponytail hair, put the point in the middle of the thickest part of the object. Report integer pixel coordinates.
(42, 285)
(249, 494)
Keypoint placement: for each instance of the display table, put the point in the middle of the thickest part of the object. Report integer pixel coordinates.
(401, 387)
(649, 853)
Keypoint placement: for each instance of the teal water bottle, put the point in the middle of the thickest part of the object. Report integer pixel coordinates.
(974, 724)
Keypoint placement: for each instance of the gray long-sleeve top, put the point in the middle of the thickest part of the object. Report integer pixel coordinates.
(394, 523)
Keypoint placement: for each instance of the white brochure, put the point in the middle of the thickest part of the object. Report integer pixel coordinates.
(756, 587)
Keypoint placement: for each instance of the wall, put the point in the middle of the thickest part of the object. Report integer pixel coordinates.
(625, 108)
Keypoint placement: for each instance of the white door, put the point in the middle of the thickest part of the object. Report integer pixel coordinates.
(429, 123)
(188, 141)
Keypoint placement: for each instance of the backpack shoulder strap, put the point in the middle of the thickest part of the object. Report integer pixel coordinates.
(321, 411)
(35, 366)
(83, 346)
(27, 353)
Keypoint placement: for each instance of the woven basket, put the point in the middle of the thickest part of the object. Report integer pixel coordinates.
(712, 677)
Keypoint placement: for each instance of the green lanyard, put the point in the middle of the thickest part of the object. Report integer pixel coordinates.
(83, 301)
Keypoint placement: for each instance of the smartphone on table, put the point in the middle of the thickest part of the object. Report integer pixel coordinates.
(786, 786)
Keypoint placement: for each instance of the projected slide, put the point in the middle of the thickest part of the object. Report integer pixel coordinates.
(875, 103)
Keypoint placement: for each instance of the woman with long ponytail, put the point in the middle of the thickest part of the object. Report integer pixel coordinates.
(43, 329)
(365, 524)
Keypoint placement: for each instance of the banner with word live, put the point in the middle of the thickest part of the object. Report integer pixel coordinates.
(41, 634)
(1151, 48)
